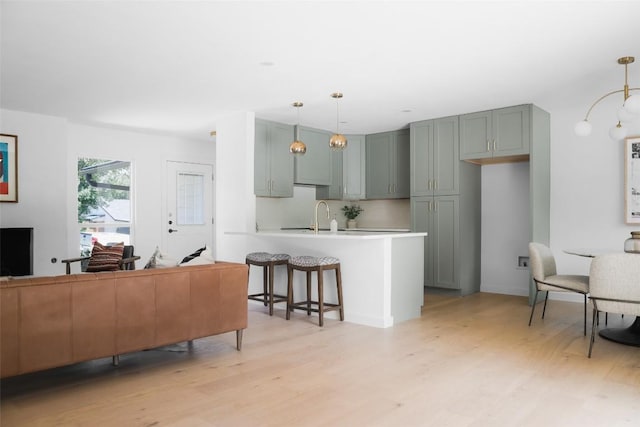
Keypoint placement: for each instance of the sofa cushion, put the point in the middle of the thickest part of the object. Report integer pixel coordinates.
(105, 258)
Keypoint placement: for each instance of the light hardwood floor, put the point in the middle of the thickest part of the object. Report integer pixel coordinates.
(468, 361)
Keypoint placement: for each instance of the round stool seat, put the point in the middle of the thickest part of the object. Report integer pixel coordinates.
(312, 261)
(266, 257)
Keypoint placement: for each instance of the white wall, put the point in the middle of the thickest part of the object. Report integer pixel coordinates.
(48, 152)
(505, 228)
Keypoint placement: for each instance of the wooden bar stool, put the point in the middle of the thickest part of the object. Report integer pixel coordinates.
(268, 262)
(310, 264)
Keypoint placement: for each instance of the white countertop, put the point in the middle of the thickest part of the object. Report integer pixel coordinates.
(361, 234)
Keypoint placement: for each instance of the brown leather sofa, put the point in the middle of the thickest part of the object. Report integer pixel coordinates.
(48, 322)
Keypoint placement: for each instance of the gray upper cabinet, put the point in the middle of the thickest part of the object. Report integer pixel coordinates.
(435, 157)
(348, 177)
(387, 165)
(314, 167)
(273, 164)
(495, 134)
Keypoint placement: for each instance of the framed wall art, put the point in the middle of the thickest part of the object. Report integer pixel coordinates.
(632, 180)
(8, 168)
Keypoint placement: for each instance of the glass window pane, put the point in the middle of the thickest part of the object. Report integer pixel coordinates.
(190, 199)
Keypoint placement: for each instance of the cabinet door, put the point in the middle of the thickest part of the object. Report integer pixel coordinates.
(314, 167)
(378, 170)
(280, 160)
(333, 191)
(421, 147)
(445, 237)
(400, 186)
(446, 156)
(353, 168)
(261, 174)
(421, 221)
(511, 131)
(476, 135)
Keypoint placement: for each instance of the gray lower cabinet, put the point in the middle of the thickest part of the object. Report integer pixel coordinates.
(504, 132)
(273, 164)
(452, 246)
(435, 157)
(387, 165)
(315, 166)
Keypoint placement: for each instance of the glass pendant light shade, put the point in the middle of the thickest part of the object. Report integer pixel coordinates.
(632, 104)
(625, 116)
(298, 147)
(583, 128)
(618, 132)
(337, 141)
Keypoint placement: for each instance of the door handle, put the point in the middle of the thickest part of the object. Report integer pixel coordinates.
(171, 230)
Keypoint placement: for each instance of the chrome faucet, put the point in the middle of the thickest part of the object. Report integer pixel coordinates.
(315, 224)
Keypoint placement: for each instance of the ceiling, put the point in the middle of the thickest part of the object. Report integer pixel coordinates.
(177, 67)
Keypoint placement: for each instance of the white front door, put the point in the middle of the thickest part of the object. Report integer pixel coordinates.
(188, 217)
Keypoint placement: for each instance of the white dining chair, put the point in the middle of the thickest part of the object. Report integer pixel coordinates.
(547, 279)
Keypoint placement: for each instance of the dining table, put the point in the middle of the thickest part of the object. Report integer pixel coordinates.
(629, 335)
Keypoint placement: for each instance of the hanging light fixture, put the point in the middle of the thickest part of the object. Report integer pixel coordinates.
(337, 141)
(630, 109)
(297, 147)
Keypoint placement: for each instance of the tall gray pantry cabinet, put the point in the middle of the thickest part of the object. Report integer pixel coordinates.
(445, 202)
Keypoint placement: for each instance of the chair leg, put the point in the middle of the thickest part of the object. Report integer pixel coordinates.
(339, 283)
(533, 306)
(585, 315)
(544, 308)
(289, 290)
(264, 284)
(593, 330)
(271, 273)
(320, 274)
(308, 293)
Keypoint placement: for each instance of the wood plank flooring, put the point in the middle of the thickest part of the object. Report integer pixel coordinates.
(470, 361)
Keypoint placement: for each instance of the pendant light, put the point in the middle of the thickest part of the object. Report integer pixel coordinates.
(627, 112)
(337, 141)
(297, 147)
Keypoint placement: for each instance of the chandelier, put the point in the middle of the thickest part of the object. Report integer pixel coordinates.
(297, 147)
(627, 112)
(337, 141)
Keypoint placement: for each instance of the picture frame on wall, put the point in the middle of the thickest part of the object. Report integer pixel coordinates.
(8, 168)
(632, 180)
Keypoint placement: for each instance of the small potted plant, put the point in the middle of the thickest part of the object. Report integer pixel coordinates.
(351, 212)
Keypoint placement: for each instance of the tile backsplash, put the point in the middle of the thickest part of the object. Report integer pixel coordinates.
(298, 211)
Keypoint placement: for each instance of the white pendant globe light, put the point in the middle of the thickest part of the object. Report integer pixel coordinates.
(626, 113)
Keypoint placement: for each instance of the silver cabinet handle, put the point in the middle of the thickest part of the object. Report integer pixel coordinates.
(494, 145)
(488, 145)
(435, 184)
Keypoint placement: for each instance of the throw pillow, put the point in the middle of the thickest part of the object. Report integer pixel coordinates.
(105, 258)
(163, 261)
(193, 255)
(206, 257)
(152, 261)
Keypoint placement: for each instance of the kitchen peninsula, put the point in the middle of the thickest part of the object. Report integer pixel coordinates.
(382, 271)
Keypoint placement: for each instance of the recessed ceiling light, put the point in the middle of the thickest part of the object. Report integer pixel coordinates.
(267, 63)
(405, 111)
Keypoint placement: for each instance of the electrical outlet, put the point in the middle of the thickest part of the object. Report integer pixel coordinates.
(523, 261)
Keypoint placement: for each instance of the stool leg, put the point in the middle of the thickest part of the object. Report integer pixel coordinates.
(271, 268)
(320, 274)
(289, 290)
(308, 293)
(339, 284)
(264, 284)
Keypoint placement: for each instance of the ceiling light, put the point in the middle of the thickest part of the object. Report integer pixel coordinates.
(297, 147)
(337, 141)
(629, 110)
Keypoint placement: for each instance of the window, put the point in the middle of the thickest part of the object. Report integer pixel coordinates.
(104, 202)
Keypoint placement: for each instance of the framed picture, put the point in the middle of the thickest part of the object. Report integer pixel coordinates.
(632, 180)
(8, 168)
